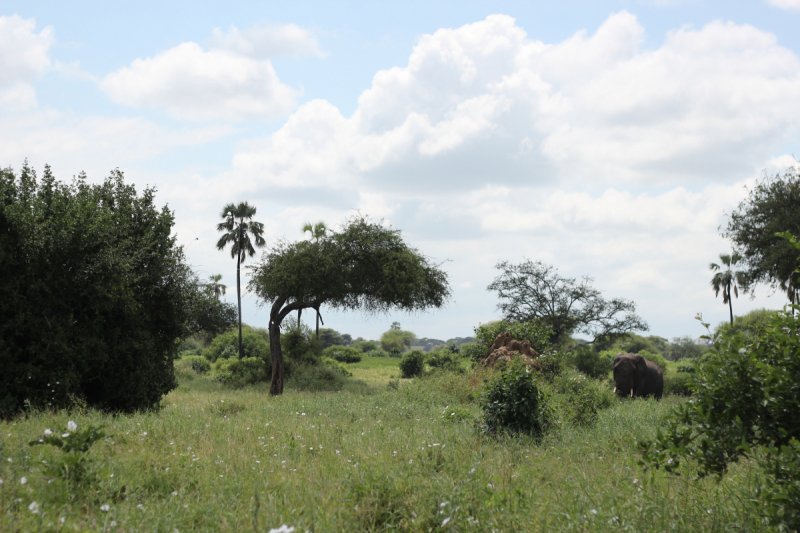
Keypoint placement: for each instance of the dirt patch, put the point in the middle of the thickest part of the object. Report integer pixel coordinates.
(505, 348)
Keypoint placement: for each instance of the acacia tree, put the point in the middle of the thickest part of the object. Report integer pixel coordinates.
(239, 226)
(363, 266)
(772, 206)
(725, 280)
(534, 290)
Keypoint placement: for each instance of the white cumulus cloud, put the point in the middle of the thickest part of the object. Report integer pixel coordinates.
(793, 5)
(24, 56)
(232, 79)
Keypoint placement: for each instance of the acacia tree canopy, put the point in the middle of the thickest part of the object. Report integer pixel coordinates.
(534, 290)
(772, 206)
(363, 266)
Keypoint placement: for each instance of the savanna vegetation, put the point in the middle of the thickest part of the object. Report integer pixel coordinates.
(360, 435)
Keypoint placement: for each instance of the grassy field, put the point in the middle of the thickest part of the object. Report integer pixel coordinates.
(390, 456)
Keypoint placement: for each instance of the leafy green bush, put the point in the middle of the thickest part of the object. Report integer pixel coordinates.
(299, 343)
(365, 346)
(412, 364)
(678, 384)
(582, 398)
(73, 464)
(513, 402)
(197, 363)
(227, 345)
(397, 353)
(378, 353)
(552, 364)
(343, 354)
(396, 339)
(95, 294)
(445, 360)
(239, 373)
(316, 378)
(341, 368)
(746, 403)
(593, 364)
(686, 368)
(537, 335)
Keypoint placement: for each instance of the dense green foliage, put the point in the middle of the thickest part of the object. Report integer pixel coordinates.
(444, 359)
(396, 340)
(255, 343)
(240, 372)
(580, 398)
(343, 354)
(365, 346)
(94, 294)
(331, 337)
(684, 348)
(746, 404)
(771, 207)
(299, 343)
(512, 402)
(596, 365)
(197, 363)
(412, 363)
(535, 291)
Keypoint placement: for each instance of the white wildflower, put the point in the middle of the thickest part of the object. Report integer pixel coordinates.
(593, 511)
(23, 480)
(283, 529)
(64, 435)
(113, 523)
(72, 426)
(445, 521)
(34, 507)
(105, 507)
(48, 432)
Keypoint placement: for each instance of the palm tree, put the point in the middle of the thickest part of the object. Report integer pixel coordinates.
(238, 227)
(215, 286)
(724, 280)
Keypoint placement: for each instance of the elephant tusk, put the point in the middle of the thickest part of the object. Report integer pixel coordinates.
(631, 392)
(615, 390)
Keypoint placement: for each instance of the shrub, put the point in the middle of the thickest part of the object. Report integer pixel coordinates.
(746, 403)
(197, 363)
(513, 402)
(396, 339)
(444, 359)
(678, 384)
(591, 363)
(365, 346)
(298, 343)
(582, 397)
(537, 335)
(316, 378)
(552, 364)
(335, 365)
(343, 354)
(412, 364)
(239, 373)
(378, 353)
(397, 353)
(227, 345)
(96, 294)
(686, 368)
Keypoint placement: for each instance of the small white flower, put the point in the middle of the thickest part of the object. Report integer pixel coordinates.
(635, 481)
(709, 511)
(145, 433)
(34, 507)
(593, 511)
(62, 519)
(105, 507)
(23, 480)
(72, 426)
(283, 529)
(669, 461)
(174, 493)
(48, 432)
(64, 435)
(113, 523)
(443, 504)
(445, 521)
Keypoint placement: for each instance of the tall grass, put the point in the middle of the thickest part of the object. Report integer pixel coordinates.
(367, 458)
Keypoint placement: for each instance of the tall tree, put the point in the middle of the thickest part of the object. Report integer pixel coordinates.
(534, 290)
(725, 280)
(216, 288)
(772, 206)
(240, 231)
(364, 266)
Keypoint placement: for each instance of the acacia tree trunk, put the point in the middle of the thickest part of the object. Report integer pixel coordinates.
(276, 385)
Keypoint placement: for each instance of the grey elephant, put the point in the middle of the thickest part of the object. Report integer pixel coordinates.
(637, 377)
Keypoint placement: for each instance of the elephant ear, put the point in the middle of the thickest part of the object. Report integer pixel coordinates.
(641, 369)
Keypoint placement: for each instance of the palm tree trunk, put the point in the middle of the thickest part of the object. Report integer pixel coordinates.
(730, 305)
(239, 297)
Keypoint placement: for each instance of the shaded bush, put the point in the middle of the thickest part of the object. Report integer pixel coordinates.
(686, 368)
(227, 345)
(444, 359)
(341, 368)
(513, 402)
(412, 364)
(596, 365)
(197, 363)
(581, 398)
(657, 359)
(365, 346)
(316, 378)
(239, 373)
(343, 354)
(552, 364)
(299, 343)
(378, 353)
(678, 384)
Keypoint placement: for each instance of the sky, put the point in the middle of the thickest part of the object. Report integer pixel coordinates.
(608, 139)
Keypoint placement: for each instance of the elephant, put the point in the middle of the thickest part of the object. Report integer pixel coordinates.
(635, 376)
